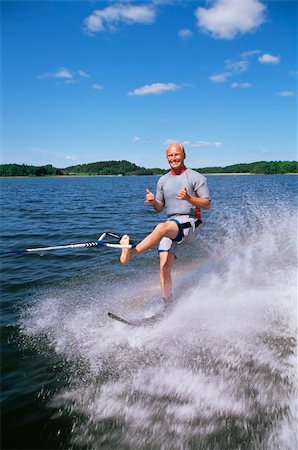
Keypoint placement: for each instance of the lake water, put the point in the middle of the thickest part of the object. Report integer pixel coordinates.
(218, 374)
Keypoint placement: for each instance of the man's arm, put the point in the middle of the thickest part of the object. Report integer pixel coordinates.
(198, 202)
(150, 198)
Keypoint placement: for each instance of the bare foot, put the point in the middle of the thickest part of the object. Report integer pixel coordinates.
(125, 252)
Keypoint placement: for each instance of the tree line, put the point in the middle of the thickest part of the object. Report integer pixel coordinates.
(110, 168)
(260, 167)
(127, 168)
(23, 170)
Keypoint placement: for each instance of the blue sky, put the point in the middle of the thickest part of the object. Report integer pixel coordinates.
(86, 81)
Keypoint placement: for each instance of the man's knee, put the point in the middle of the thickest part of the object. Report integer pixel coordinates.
(166, 268)
(161, 227)
(166, 262)
(167, 229)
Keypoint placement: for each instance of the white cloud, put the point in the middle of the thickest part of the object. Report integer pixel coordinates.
(83, 74)
(194, 144)
(220, 77)
(236, 67)
(231, 69)
(155, 88)
(200, 144)
(96, 87)
(136, 139)
(266, 58)
(241, 85)
(184, 33)
(226, 19)
(69, 77)
(108, 18)
(250, 53)
(70, 158)
(61, 73)
(286, 94)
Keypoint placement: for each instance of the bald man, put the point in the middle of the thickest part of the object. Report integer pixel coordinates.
(183, 192)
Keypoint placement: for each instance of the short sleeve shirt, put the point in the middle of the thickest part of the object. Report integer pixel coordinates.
(169, 185)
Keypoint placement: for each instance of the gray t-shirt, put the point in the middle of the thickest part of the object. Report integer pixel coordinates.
(169, 185)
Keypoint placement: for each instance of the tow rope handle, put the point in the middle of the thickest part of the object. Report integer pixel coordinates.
(100, 242)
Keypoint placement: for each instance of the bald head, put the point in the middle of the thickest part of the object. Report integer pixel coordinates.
(175, 147)
(176, 156)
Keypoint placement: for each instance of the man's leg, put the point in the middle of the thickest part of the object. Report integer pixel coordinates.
(165, 229)
(166, 260)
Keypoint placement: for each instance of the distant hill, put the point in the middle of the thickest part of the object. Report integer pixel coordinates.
(22, 170)
(110, 168)
(127, 168)
(259, 167)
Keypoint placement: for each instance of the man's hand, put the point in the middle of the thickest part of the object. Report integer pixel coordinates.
(149, 198)
(183, 195)
(198, 202)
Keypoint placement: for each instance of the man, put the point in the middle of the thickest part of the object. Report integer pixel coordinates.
(183, 192)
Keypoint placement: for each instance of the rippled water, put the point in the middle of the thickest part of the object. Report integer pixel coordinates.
(218, 373)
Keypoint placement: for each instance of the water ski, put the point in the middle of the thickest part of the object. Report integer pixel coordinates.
(146, 321)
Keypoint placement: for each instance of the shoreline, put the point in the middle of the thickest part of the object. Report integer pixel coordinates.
(156, 175)
(248, 173)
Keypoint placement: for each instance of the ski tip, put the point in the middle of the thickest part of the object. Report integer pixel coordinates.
(143, 322)
(119, 319)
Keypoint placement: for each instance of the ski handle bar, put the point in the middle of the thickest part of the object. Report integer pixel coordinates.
(100, 242)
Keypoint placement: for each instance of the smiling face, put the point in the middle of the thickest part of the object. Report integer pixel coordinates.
(176, 156)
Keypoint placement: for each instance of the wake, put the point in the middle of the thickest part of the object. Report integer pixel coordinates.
(218, 372)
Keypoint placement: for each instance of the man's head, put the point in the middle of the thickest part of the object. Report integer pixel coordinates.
(176, 156)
